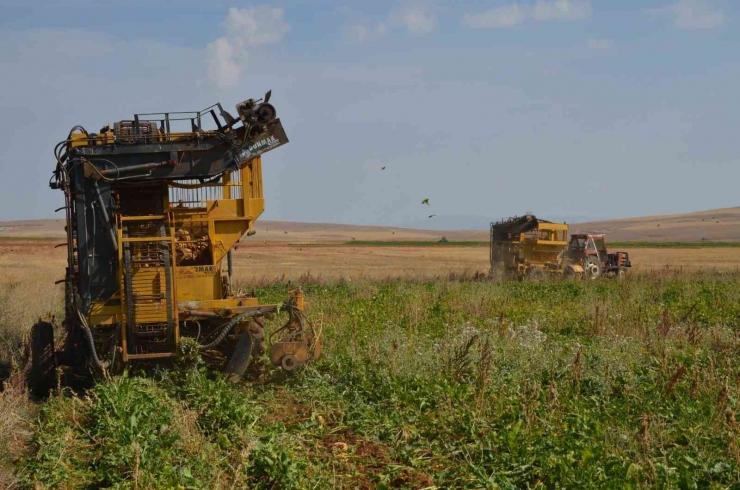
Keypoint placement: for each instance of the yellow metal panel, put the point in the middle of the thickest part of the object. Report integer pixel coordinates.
(198, 282)
(220, 304)
(553, 226)
(256, 207)
(149, 217)
(252, 179)
(226, 179)
(100, 314)
(226, 208)
(78, 139)
(227, 233)
(187, 215)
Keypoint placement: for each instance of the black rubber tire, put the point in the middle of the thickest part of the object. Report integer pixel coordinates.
(42, 375)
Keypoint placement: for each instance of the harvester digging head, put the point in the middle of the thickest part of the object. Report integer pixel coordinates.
(153, 213)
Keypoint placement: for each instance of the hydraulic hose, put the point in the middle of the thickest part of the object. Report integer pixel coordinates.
(106, 218)
(231, 324)
(91, 343)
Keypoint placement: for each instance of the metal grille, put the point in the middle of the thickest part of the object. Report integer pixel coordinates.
(200, 194)
(143, 229)
(148, 286)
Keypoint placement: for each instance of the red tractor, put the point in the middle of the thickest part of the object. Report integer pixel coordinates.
(586, 254)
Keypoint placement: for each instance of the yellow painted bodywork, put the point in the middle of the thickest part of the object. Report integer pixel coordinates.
(537, 249)
(542, 247)
(218, 215)
(80, 139)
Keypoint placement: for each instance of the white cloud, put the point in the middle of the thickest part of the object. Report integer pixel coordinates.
(562, 10)
(221, 61)
(245, 28)
(693, 14)
(515, 13)
(361, 33)
(256, 26)
(416, 18)
(603, 45)
(505, 16)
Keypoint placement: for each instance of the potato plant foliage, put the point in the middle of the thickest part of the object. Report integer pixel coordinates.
(435, 384)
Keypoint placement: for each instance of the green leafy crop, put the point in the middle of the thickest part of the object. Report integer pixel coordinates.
(552, 384)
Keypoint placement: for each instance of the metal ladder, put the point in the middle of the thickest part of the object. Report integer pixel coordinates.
(147, 285)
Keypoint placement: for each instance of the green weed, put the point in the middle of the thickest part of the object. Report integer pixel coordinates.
(552, 384)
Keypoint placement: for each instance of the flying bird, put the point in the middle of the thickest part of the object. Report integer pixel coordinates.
(432, 215)
(382, 168)
(425, 201)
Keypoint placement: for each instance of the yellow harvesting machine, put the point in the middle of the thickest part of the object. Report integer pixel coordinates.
(526, 245)
(152, 217)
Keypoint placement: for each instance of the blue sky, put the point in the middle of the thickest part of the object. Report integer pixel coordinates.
(572, 109)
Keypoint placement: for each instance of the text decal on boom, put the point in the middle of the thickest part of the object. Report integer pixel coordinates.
(259, 147)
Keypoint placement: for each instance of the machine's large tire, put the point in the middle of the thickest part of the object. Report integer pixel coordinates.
(591, 267)
(239, 360)
(42, 376)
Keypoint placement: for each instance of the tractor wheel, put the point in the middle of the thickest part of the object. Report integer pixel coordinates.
(591, 267)
(42, 376)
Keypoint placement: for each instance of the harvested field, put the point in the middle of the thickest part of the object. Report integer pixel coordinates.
(264, 262)
(259, 262)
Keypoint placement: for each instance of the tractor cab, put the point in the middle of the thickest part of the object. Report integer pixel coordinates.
(582, 245)
(589, 251)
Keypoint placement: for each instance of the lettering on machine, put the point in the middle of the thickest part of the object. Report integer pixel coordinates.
(259, 147)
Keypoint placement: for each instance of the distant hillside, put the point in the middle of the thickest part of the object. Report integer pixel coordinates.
(32, 228)
(275, 231)
(713, 225)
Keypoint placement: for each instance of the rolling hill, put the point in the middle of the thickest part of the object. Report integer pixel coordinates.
(712, 225)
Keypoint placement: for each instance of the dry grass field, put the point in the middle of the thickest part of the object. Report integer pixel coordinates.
(259, 262)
